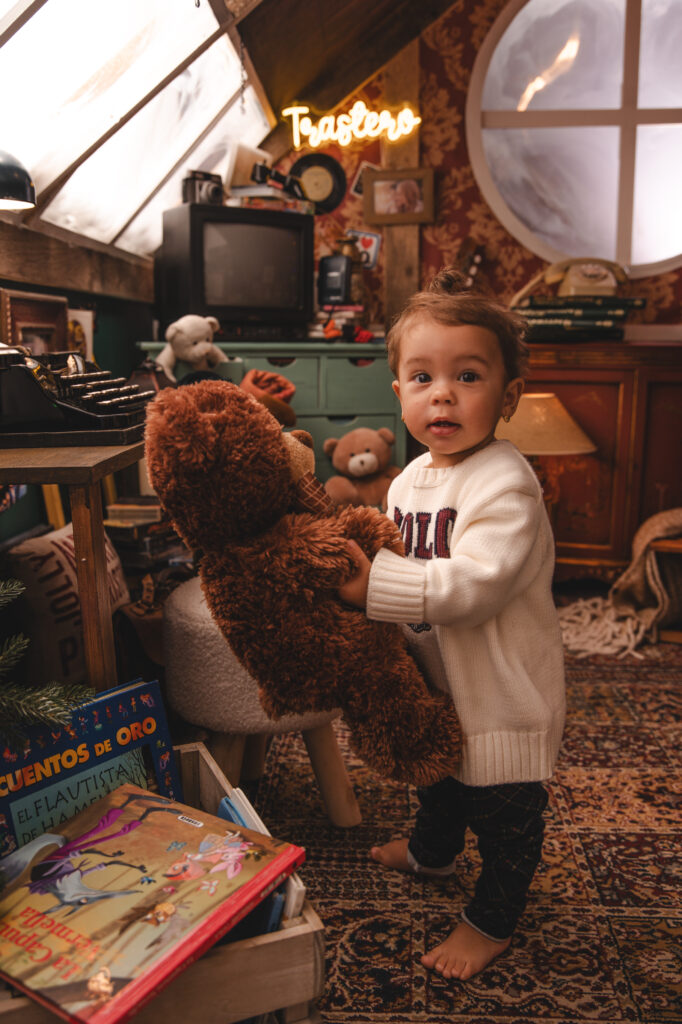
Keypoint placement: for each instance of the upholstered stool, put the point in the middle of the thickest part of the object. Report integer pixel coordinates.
(209, 687)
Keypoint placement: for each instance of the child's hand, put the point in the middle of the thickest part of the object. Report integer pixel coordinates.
(354, 591)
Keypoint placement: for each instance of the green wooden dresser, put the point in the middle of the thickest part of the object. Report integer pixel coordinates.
(338, 386)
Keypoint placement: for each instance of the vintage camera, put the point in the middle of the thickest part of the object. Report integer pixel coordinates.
(264, 175)
(202, 187)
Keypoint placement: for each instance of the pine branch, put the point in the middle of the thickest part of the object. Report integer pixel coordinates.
(9, 590)
(11, 652)
(50, 705)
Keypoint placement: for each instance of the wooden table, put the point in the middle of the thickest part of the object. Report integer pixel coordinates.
(81, 470)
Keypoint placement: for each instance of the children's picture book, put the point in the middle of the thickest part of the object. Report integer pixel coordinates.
(120, 736)
(100, 913)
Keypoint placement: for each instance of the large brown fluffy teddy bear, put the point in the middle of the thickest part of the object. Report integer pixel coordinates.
(273, 554)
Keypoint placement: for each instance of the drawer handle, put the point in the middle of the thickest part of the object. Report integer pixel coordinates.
(281, 360)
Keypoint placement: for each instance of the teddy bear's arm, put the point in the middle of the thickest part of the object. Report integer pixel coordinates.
(311, 551)
(216, 355)
(166, 359)
(371, 529)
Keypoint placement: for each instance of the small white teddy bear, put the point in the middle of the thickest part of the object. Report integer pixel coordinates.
(190, 340)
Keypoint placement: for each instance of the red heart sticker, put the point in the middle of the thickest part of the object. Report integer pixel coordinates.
(366, 243)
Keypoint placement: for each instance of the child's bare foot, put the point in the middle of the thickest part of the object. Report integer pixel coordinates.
(395, 854)
(392, 855)
(464, 953)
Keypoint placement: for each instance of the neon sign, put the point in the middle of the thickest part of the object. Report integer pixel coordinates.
(359, 123)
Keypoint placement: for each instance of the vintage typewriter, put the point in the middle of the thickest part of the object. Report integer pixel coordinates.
(61, 398)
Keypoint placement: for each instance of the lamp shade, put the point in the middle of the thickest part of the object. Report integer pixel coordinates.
(17, 191)
(542, 425)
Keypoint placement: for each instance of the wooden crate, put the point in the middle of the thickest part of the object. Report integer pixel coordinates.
(281, 971)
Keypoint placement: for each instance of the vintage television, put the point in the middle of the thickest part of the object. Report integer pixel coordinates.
(251, 268)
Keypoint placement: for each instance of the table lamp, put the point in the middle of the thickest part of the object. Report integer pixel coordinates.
(17, 191)
(540, 426)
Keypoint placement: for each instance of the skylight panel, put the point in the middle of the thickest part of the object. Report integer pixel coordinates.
(247, 125)
(82, 65)
(99, 197)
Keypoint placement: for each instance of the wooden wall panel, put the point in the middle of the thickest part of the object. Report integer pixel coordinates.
(42, 260)
(401, 241)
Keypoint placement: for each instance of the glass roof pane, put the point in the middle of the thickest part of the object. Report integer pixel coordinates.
(558, 55)
(660, 68)
(6, 6)
(657, 214)
(562, 183)
(110, 54)
(143, 236)
(98, 199)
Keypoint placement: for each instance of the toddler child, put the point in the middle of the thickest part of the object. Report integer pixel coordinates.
(476, 586)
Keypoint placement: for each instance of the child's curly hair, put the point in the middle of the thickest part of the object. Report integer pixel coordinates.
(447, 301)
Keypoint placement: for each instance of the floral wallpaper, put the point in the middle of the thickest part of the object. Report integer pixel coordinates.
(447, 50)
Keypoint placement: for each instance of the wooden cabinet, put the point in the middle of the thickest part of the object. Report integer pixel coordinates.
(628, 398)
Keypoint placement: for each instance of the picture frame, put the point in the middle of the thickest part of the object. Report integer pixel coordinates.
(33, 320)
(358, 180)
(401, 196)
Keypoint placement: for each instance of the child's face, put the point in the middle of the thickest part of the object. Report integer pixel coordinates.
(452, 388)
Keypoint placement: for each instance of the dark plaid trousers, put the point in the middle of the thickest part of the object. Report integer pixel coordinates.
(508, 822)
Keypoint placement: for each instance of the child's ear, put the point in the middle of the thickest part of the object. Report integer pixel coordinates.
(396, 387)
(512, 395)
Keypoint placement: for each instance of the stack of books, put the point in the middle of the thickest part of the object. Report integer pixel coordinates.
(340, 322)
(171, 881)
(578, 317)
(143, 538)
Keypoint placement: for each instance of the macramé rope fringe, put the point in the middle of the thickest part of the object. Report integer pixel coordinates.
(594, 626)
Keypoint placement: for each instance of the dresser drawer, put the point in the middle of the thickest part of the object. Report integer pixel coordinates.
(358, 384)
(304, 372)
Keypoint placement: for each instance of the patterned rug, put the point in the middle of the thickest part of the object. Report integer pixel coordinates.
(600, 938)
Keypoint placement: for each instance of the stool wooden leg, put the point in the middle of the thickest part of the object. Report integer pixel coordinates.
(255, 750)
(330, 771)
(227, 750)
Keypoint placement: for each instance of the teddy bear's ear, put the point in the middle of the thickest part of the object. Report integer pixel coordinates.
(329, 445)
(213, 323)
(387, 435)
(171, 331)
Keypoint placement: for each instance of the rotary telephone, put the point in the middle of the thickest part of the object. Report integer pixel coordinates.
(578, 277)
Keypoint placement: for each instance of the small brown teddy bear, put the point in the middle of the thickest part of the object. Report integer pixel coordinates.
(363, 458)
(273, 554)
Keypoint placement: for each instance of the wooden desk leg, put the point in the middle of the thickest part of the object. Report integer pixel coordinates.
(93, 588)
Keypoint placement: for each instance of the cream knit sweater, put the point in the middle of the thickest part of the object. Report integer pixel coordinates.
(479, 571)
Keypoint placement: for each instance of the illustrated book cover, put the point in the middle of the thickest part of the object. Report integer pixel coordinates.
(120, 736)
(102, 912)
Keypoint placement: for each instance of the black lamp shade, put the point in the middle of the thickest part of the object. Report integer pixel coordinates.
(17, 191)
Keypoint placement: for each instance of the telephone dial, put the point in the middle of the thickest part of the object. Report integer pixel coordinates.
(578, 277)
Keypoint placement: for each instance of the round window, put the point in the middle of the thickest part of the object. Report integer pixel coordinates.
(574, 127)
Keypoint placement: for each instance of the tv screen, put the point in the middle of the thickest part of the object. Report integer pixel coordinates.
(256, 265)
(251, 268)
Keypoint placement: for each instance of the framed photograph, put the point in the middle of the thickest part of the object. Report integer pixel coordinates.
(356, 187)
(37, 322)
(402, 196)
(81, 331)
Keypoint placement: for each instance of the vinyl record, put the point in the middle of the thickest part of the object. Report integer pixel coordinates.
(323, 180)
